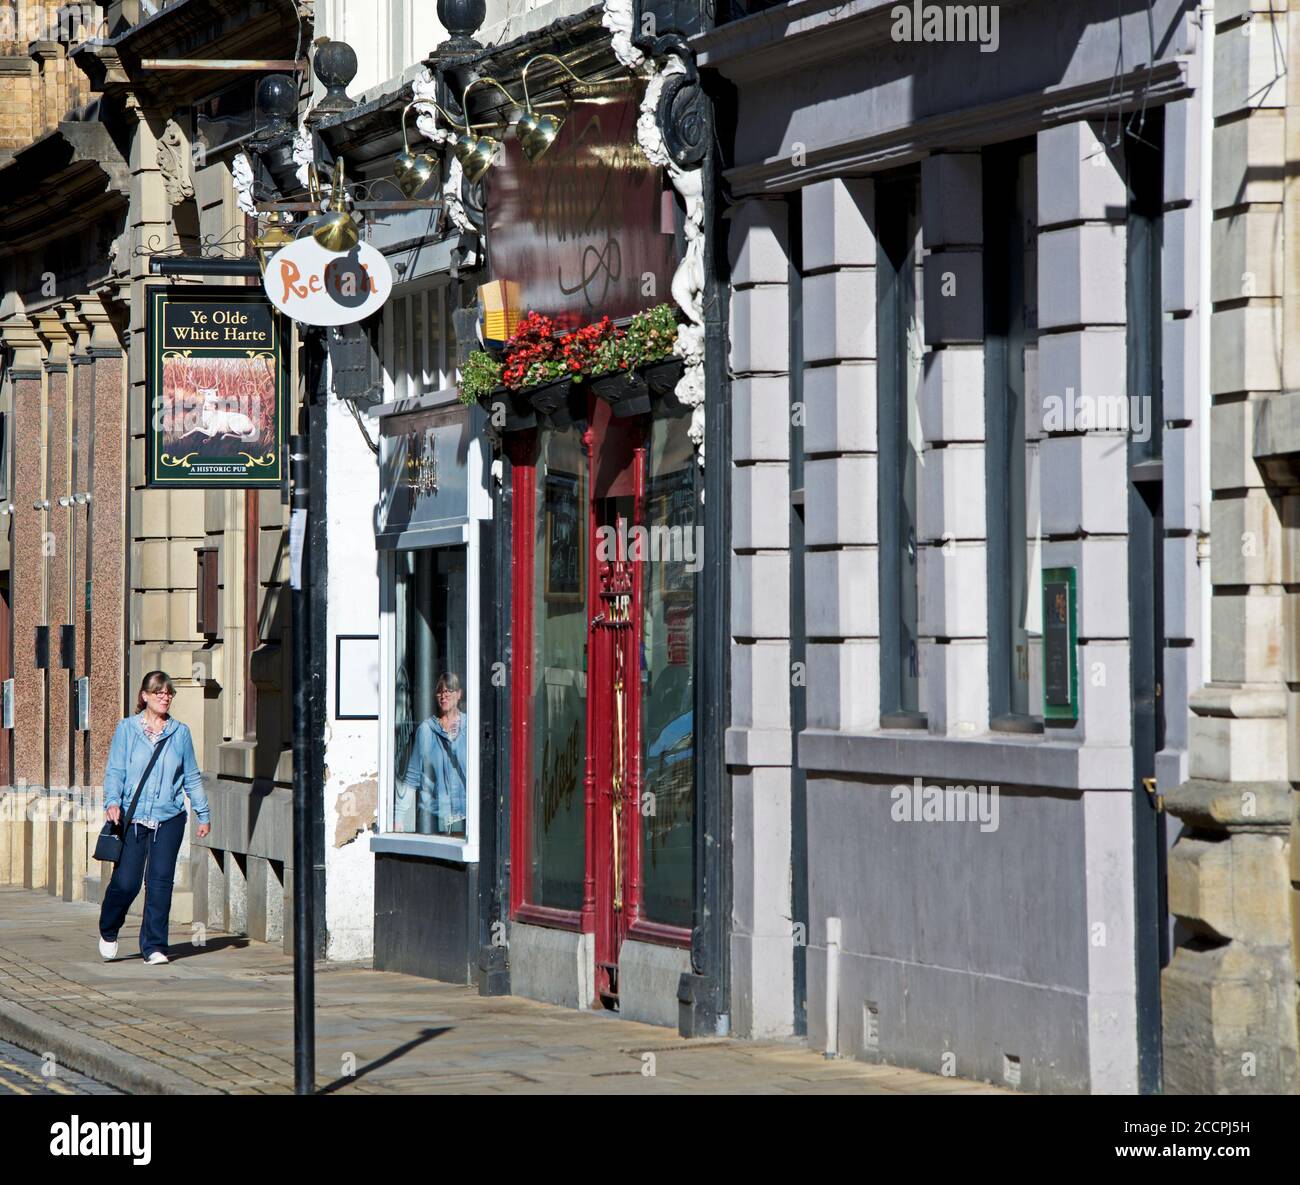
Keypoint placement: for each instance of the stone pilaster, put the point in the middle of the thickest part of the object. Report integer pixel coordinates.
(27, 385)
(57, 550)
(839, 385)
(952, 529)
(1080, 412)
(1230, 1000)
(759, 745)
(105, 571)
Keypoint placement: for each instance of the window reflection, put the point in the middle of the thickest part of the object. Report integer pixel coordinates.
(431, 766)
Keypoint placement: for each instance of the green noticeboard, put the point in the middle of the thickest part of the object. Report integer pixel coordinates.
(1060, 646)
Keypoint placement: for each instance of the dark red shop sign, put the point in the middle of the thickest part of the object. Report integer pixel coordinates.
(586, 231)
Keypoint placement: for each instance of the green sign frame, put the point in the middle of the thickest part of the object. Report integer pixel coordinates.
(1060, 646)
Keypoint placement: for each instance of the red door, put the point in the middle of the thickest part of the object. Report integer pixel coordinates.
(585, 686)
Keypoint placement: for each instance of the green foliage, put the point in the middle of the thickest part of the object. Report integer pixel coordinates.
(650, 335)
(480, 375)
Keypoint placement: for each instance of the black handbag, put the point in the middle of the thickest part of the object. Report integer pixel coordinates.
(108, 847)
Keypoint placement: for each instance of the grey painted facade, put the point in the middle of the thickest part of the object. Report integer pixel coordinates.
(1008, 954)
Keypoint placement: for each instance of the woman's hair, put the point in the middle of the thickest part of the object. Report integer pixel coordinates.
(153, 681)
(447, 681)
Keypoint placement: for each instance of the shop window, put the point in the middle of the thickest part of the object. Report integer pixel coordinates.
(898, 379)
(559, 674)
(418, 344)
(1011, 370)
(668, 677)
(432, 776)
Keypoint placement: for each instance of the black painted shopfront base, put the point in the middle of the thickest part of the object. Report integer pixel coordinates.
(425, 918)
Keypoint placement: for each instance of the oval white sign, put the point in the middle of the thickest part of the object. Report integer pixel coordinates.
(319, 287)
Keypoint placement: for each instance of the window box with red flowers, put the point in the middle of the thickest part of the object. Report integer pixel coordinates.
(545, 373)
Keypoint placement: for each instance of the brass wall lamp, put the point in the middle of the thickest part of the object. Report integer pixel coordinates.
(276, 235)
(477, 153)
(413, 172)
(536, 133)
(339, 232)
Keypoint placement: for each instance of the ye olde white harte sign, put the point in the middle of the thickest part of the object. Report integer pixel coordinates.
(319, 287)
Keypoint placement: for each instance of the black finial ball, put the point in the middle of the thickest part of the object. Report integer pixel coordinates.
(277, 95)
(461, 18)
(336, 64)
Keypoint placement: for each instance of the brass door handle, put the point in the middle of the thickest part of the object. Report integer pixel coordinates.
(1149, 785)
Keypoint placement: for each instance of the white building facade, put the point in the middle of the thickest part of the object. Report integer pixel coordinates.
(968, 353)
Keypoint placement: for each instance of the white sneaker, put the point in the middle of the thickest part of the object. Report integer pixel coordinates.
(157, 957)
(108, 949)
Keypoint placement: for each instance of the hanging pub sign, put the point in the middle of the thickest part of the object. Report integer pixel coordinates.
(586, 230)
(320, 287)
(217, 389)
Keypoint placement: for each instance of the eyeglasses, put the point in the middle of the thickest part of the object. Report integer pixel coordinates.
(447, 691)
(164, 693)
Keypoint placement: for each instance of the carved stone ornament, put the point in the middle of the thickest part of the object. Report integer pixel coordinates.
(172, 162)
(672, 131)
(681, 120)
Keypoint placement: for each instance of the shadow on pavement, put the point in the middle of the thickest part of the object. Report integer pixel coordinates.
(188, 950)
(401, 1050)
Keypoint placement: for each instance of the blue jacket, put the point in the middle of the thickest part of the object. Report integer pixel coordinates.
(434, 776)
(175, 773)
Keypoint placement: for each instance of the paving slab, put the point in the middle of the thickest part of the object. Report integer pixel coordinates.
(219, 1019)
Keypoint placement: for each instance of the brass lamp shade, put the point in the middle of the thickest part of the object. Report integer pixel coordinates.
(414, 172)
(417, 174)
(476, 154)
(339, 231)
(537, 133)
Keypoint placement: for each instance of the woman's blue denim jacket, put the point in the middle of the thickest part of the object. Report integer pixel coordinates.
(432, 774)
(175, 773)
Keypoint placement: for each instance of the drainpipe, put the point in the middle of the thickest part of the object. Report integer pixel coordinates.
(1204, 312)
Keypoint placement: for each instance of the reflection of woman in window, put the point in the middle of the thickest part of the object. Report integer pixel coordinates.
(436, 771)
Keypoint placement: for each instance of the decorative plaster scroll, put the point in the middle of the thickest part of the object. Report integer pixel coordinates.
(423, 90)
(172, 164)
(618, 19)
(302, 154)
(668, 80)
(241, 176)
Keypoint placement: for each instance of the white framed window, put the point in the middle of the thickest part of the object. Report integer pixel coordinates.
(429, 642)
(417, 345)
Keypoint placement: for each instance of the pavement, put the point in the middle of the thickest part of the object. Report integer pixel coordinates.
(218, 1019)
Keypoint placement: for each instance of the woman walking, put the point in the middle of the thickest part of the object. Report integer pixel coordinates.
(151, 754)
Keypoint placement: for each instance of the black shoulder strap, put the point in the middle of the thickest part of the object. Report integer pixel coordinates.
(446, 744)
(148, 769)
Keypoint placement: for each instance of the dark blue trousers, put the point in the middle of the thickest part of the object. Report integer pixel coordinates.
(148, 856)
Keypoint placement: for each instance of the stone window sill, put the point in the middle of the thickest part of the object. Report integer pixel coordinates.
(431, 847)
(990, 759)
